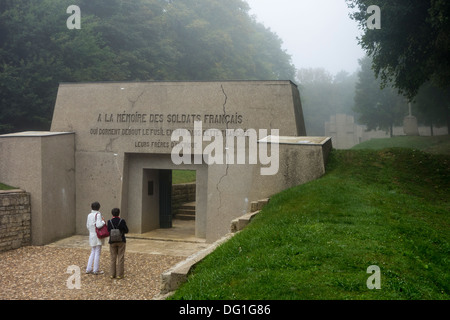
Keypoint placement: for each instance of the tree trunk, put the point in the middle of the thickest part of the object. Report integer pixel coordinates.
(448, 120)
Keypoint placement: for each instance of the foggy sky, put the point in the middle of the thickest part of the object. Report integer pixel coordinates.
(316, 33)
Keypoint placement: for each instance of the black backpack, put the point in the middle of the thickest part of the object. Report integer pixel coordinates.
(115, 235)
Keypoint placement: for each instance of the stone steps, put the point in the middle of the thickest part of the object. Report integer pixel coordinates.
(240, 223)
(186, 212)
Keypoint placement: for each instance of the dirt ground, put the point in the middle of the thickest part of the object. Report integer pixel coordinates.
(46, 273)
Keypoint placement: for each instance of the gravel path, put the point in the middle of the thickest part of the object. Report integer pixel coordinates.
(34, 273)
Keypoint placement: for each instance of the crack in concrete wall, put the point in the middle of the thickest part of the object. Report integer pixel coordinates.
(226, 154)
(133, 102)
(109, 145)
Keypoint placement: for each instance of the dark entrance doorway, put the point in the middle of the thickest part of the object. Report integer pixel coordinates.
(154, 199)
(165, 199)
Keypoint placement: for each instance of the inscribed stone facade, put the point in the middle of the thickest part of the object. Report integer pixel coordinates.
(123, 138)
(112, 143)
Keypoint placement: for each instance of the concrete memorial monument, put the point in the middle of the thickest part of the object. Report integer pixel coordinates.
(246, 140)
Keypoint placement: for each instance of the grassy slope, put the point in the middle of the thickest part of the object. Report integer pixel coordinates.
(388, 208)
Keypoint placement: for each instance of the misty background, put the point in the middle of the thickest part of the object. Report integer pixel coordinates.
(322, 41)
(317, 34)
(333, 72)
(312, 43)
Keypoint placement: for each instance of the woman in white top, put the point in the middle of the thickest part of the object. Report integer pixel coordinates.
(94, 219)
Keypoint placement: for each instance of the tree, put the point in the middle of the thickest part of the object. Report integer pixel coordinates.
(122, 40)
(217, 39)
(377, 108)
(413, 45)
(430, 104)
(37, 51)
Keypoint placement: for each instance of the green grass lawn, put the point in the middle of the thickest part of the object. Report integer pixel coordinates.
(388, 208)
(435, 145)
(183, 176)
(5, 187)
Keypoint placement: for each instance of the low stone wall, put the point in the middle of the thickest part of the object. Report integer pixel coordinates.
(182, 193)
(15, 219)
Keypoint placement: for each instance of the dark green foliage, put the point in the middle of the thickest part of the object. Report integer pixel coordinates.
(411, 50)
(124, 40)
(413, 43)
